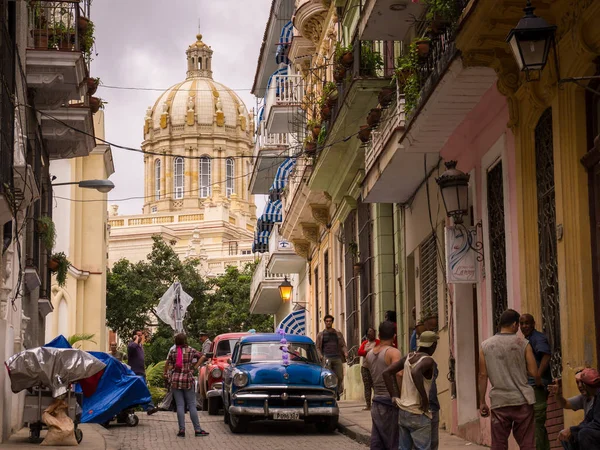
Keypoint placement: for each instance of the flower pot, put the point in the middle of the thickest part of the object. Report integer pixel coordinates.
(82, 24)
(423, 48)
(374, 117)
(332, 100)
(316, 130)
(310, 148)
(339, 73)
(92, 85)
(347, 59)
(40, 39)
(364, 134)
(385, 97)
(52, 265)
(94, 104)
(402, 77)
(326, 112)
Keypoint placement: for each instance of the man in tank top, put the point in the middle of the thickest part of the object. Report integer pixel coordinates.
(384, 414)
(506, 359)
(414, 415)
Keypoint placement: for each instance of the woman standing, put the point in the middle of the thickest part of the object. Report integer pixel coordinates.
(181, 363)
(365, 347)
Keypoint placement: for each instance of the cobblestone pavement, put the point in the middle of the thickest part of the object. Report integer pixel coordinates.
(158, 432)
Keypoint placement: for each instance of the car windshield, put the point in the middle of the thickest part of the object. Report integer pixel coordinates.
(225, 347)
(271, 352)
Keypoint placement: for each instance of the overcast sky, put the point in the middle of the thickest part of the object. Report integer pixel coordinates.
(142, 43)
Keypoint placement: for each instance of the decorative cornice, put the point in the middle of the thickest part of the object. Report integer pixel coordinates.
(310, 232)
(310, 19)
(321, 214)
(301, 248)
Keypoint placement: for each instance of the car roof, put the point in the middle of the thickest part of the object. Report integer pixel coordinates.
(275, 337)
(230, 336)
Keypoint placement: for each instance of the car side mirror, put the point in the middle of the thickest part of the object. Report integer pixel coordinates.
(228, 360)
(209, 355)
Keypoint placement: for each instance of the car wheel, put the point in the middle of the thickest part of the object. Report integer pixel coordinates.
(132, 420)
(213, 406)
(226, 417)
(327, 425)
(238, 424)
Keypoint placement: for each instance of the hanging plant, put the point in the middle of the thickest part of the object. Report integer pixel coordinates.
(310, 146)
(385, 97)
(339, 73)
(344, 55)
(314, 127)
(374, 117)
(322, 136)
(47, 232)
(364, 133)
(60, 264)
(92, 85)
(370, 61)
(423, 44)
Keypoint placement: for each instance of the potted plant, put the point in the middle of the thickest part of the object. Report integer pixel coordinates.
(422, 45)
(370, 60)
(87, 41)
(330, 92)
(325, 110)
(315, 127)
(406, 65)
(442, 13)
(385, 97)
(322, 136)
(412, 86)
(353, 249)
(339, 73)
(310, 146)
(60, 264)
(92, 85)
(344, 55)
(374, 117)
(364, 134)
(97, 104)
(47, 232)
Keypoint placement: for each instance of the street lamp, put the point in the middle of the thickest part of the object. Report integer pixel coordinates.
(285, 290)
(454, 186)
(530, 41)
(103, 186)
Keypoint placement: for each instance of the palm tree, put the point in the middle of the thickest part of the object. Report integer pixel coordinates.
(80, 337)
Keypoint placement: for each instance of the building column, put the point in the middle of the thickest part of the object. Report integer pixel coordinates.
(168, 163)
(383, 254)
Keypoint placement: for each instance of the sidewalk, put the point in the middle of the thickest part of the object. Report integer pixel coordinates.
(356, 424)
(95, 437)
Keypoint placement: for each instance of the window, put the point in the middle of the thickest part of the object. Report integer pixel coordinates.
(153, 210)
(178, 180)
(205, 177)
(326, 280)
(428, 275)
(230, 176)
(157, 179)
(233, 248)
(317, 307)
(246, 252)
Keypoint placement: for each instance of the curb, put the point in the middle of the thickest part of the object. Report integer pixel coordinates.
(354, 432)
(110, 442)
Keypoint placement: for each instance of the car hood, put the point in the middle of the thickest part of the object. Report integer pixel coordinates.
(296, 373)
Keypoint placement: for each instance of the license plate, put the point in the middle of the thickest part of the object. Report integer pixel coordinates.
(286, 416)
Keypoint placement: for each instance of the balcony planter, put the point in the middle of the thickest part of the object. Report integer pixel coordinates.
(364, 133)
(344, 55)
(92, 85)
(60, 264)
(374, 117)
(310, 147)
(402, 76)
(82, 24)
(316, 130)
(423, 47)
(385, 97)
(40, 39)
(325, 112)
(96, 104)
(53, 265)
(46, 232)
(339, 73)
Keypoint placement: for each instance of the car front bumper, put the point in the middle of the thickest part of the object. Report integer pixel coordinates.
(268, 410)
(268, 413)
(215, 390)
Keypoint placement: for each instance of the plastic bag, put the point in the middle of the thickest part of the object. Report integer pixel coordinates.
(61, 429)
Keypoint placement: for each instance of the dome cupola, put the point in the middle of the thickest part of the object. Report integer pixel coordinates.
(199, 59)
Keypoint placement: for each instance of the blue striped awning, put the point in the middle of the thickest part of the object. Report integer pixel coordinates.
(283, 171)
(272, 212)
(261, 115)
(262, 237)
(294, 323)
(281, 71)
(259, 248)
(287, 32)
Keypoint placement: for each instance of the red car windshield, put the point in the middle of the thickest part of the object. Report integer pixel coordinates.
(225, 347)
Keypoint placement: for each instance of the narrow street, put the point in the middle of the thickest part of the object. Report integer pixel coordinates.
(158, 432)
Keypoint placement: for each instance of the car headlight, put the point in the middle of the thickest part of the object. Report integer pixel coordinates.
(330, 381)
(216, 373)
(240, 379)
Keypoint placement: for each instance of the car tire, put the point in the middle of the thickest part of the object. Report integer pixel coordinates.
(213, 406)
(238, 424)
(327, 425)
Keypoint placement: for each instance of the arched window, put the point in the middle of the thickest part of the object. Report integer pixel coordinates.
(200, 63)
(178, 180)
(204, 176)
(157, 179)
(230, 177)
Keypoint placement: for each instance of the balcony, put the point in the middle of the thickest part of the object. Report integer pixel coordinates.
(62, 132)
(264, 289)
(388, 19)
(283, 104)
(282, 257)
(7, 120)
(58, 51)
(270, 150)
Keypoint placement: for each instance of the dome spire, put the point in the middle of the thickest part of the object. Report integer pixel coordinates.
(199, 58)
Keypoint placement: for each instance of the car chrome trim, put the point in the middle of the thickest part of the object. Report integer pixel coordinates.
(267, 412)
(250, 396)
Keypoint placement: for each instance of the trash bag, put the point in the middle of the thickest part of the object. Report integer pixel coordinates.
(61, 429)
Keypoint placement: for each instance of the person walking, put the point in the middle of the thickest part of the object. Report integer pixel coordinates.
(116, 353)
(506, 359)
(206, 342)
(384, 414)
(331, 346)
(541, 351)
(365, 347)
(135, 359)
(181, 363)
(587, 434)
(414, 415)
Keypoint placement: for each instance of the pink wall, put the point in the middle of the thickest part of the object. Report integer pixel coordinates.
(472, 139)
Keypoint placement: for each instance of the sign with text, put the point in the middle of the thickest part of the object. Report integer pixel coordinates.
(461, 260)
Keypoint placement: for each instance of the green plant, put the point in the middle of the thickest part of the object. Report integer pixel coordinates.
(87, 41)
(407, 66)
(313, 123)
(63, 266)
(47, 232)
(322, 136)
(80, 337)
(446, 10)
(370, 61)
(341, 50)
(353, 248)
(329, 88)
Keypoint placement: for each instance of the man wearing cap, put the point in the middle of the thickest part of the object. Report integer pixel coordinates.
(583, 401)
(586, 435)
(206, 342)
(506, 359)
(414, 415)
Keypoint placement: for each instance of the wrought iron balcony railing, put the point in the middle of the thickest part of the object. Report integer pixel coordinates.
(7, 109)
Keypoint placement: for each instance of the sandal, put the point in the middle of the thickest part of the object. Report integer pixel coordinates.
(202, 433)
(181, 433)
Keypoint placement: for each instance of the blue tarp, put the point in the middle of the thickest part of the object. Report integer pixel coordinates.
(118, 389)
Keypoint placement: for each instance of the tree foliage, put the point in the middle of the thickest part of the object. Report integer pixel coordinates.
(220, 304)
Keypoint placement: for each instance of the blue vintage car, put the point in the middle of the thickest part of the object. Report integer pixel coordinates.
(258, 385)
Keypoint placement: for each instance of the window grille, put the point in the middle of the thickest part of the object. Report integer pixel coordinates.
(157, 179)
(230, 176)
(205, 177)
(326, 280)
(178, 179)
(428, 275)
(233, 248)
(154, 210)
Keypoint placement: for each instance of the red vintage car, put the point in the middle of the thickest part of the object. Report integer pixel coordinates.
(210, 378)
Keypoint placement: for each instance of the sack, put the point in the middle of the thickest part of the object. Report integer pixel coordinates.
(61, 429)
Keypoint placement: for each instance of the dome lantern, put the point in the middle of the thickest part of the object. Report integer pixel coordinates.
(199, 58)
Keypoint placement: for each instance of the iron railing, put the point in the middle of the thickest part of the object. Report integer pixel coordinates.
(7, 109)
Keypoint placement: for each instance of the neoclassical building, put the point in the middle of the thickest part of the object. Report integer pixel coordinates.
(198, 141)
